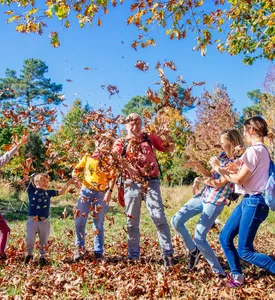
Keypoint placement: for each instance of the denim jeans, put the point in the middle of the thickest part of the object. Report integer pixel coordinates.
(133, 197)
(209, 213)
(245, 221)
(86, 199)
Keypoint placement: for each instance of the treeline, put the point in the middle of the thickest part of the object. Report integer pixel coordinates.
(29, 101)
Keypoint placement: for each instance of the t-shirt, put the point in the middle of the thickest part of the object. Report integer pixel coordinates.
(39, 200)
(95, 171)
(257, 160)
(140, 154)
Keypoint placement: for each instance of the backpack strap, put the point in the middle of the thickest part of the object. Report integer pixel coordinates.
(147, 139)
(125, 145)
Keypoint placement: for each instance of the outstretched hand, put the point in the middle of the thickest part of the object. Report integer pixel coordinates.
(107, 197)
(77, 182)
(214, 162)
(24, 139)
(233, 167)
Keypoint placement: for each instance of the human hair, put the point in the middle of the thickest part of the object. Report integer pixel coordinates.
(37, 177)
(235, 139)
(133, 116)
(259, 125)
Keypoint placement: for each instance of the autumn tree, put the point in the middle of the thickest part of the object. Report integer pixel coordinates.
(36, 150)
(251, 110)
(214, 114)
(171, 163)
(66, 146)
(248, 26)
(137, 105)
(31, 86)
(267, 103)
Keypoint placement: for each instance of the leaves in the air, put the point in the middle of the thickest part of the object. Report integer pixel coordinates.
(142, 65)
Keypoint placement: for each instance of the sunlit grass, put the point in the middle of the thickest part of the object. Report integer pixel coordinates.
(62, 237)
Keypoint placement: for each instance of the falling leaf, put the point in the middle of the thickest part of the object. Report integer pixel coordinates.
(141, 65)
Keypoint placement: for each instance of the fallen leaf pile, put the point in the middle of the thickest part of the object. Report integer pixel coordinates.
(117, 278)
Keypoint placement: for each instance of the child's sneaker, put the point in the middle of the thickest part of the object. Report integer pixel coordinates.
(193, 258)
(28, 258)
(236, 281)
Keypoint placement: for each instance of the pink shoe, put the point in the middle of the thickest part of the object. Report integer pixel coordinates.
(234, 283)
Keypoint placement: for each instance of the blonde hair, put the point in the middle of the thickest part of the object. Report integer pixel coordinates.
(235, 139)
(37, 177)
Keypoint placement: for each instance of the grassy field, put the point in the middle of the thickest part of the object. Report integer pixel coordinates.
(116, 278)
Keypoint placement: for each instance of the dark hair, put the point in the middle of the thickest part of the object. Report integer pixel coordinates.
(258, 124)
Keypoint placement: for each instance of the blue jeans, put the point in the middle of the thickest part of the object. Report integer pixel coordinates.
(89, 201)
(245, 221)
(209, 213)
(134, 193)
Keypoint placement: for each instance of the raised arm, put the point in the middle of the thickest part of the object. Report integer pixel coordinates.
(66, 186)
(197, 166)
(239, 178)
(8, 155)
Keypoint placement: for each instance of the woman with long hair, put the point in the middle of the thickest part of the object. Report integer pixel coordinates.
(252, 175)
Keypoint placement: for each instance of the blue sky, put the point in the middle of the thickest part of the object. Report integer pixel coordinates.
(107, 50)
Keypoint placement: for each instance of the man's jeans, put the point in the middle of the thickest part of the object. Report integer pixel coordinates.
(93, 199)
(209, 213)
(133, 197)
(245, 221)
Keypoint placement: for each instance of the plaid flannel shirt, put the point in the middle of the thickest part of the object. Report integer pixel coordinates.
(210, 194)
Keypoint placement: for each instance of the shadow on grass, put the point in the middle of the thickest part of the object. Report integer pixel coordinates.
(17, 210)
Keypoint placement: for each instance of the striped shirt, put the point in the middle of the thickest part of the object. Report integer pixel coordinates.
(210, 194)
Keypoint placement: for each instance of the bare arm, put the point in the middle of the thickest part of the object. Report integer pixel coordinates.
(66, 186)
(197, 166)
(216, 183)
(108, 194)
(239, 178)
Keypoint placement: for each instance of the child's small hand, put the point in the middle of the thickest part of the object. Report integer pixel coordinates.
(76, 182)
(214, 162)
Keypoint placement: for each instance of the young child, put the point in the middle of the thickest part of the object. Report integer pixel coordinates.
(98, 178)
(39, 208)
(4, 228)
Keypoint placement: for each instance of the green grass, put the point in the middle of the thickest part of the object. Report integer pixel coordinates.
(96, 281)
